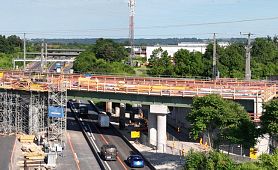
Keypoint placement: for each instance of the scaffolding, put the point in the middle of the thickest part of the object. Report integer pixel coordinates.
(57, 97)
(37, 113)
(22, 112)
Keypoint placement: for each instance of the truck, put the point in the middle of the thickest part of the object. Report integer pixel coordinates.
(103, 120)
(83, 109)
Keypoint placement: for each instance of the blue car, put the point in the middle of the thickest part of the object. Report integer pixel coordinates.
(135, 161)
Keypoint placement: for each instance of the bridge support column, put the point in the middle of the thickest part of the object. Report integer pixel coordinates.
(122, 116)
(161, 133)
(258, 108)
(109, 107)
(157, 124)
(117, 112)
(152, 121)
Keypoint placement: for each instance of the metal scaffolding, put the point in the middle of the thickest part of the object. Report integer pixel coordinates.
(37, 113)
(57, 98)
(23, 112)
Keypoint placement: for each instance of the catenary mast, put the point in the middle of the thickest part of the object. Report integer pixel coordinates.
(131, 5)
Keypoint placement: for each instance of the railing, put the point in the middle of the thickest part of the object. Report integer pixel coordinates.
(227, 88)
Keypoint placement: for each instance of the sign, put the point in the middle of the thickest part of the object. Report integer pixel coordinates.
(253, 153)
(55, 111)
(1, 74)
(135, 134)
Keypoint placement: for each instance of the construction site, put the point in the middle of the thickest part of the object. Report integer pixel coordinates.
(33, 105)
(37, 116)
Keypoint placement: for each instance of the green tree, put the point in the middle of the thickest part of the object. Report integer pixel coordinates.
(188, 64)
(269, 119)
(269, 162)
(211, 161)
(222, 120)
(109, 50)
(232, 61)
(160, 63)
(87, 62)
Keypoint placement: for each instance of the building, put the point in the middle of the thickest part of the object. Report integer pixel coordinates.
(172, 49)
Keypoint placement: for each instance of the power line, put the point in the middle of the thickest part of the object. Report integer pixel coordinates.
(148, 27)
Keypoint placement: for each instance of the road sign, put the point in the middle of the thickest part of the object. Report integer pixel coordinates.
(253, 153)
(135, 134)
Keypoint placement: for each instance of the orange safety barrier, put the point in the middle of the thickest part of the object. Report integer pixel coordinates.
(227, 88)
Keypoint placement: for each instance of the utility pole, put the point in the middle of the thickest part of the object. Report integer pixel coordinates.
(42, 49)
(45, 54)
(131, 5)
(24, 51)
(248, 58)
(214, 59)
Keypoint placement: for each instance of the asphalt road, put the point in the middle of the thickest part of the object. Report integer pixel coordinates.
(101, 136)
(79, 145)
(6, 148)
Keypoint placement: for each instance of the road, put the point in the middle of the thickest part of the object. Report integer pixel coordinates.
(79, 145)
(6, 149)
(101, 136)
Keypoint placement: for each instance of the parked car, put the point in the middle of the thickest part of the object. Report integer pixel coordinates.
(135, 161)
(109, 152)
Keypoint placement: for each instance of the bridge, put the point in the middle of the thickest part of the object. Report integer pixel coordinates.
(152, 91)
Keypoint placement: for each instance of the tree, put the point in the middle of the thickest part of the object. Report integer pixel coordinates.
(160, 63)
(269, 119)
(232, 61)
(211, 161)
(87, 62)
(188, 64)
(109, 50)
(221, 120)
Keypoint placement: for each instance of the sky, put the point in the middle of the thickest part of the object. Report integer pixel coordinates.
(153, 18)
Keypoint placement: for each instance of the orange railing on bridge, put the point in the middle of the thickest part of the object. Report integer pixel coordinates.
(227, 88)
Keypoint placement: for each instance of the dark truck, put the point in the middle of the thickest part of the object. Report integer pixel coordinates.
(83, 109)
(109, 152)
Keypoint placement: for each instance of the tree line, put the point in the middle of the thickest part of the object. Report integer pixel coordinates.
(231, 60)
(10, 47)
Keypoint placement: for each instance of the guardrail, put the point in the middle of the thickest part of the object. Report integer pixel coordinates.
(227, 88)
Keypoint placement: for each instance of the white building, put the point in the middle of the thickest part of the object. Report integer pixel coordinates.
(172, 49)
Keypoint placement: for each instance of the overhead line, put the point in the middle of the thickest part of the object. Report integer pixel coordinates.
(147, 27)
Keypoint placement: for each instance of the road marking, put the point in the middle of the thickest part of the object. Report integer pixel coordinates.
(99, 151)
(122, 163)
(73, 152)
(101, 135)
(118, 158)
(93, 136)
(89, 128)
(95, 146)
(12, 154)
(107, 165)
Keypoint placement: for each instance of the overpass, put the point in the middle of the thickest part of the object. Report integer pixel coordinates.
(150, 91)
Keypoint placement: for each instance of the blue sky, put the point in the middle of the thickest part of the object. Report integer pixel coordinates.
(109, 18)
